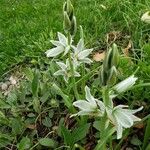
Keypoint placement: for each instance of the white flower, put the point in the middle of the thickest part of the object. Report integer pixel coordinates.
(65, 70)
(80, 53)
(146, 17)
(122, 118)
(61, 46)
(125, 84)
(90, 106)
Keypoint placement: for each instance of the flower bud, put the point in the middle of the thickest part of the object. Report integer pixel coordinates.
(70, 24)
(73, 26)
(115, 57)
(67, 23)
(146, 17)
(109, 71)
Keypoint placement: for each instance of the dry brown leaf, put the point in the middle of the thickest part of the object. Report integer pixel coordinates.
(99, 56)
(113, 36)
(139, 125)
(31, 126)
(127, 49)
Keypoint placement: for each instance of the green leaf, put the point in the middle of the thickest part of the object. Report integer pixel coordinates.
(35, 83)
(96, 125)
(146, 135)
(5, 139)
(47, 122)
(12, 98)
(45, 96)
(63, 95)
(36, 105)
(17, 126)
(80, 133)
(24, 144)
(4, 105)
(47, 142)
(135, 141)
(29, 73)
(67, 136)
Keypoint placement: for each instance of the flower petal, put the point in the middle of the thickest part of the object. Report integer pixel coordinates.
(56, 43)
(59, 72)
(125, 84)
(84, 53)
(86, 60)
(133, 111)
(54, 51)
(119, 131)
(84, 105)
(89, 97)
(80, 45)
(123, 119)
(76, 74)
(63, 40)
(62, 65)
(101, 105)
(66, 50)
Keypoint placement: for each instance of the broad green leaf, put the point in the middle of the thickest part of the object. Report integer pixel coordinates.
(96, 125)
(80, 133)
(135, 141)
(29, 73)
(12, 98)
(47, 142)
(4, 105)
(67, 136)
(47, 122)
(36, 105)
(45, 96)
(17, 126)
(24, 144)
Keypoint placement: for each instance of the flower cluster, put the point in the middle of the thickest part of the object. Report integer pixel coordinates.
(78, 54)
(119, 116)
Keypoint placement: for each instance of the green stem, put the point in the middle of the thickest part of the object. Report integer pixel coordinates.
(73, 79)
(105, 132)
(72, 71)
(83, 74)
(105, 94)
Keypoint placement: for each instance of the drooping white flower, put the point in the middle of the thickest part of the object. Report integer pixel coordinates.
(146, 17)
(125, 84)
(90, 106)
(122, 118)
(80, 54)
(65, 70)
(62, 46)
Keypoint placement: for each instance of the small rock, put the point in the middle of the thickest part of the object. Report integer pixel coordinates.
(12, 80)
(4, 86)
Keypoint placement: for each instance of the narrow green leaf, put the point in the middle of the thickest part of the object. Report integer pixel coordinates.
(146, 135)
(35, 84)
(36, 105)
(64, 96)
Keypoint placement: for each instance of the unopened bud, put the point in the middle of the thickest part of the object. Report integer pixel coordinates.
(67, 23)
(112, 76)
(69, 8)
(73, 26)
(115, 57)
